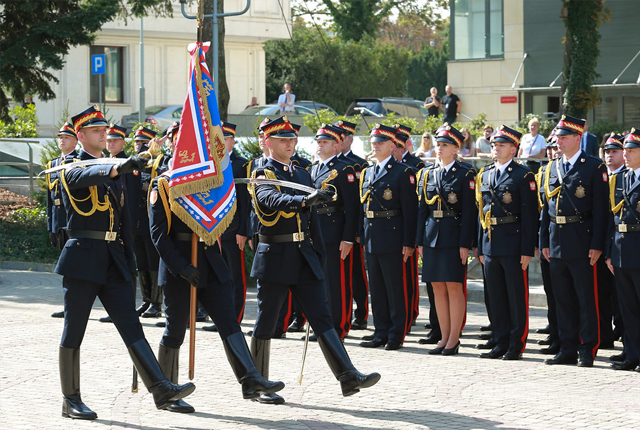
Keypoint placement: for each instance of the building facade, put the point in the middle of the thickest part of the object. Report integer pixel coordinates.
(507, 57)
(166, 62)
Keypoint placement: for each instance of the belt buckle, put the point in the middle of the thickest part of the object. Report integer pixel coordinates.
(369, 214)
(438, 214)
(298, 237)
(493, 221)
(110, 236)
(561, 220)
(56, 202)
(622, 228)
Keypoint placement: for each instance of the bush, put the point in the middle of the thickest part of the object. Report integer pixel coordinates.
(545, 125)
(23, 125)
(603, 127)
(25, 237)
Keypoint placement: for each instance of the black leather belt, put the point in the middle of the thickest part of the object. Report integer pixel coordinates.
(284, 238)
(383, 214)
(109, 236)
(504, 219)
(624, 228)
(445, 214)
(330, 209)
(186, 237)
(570, 219)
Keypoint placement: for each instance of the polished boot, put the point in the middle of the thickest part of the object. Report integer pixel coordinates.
(154, 311)
(295, 327)
(164, 391)
(432, 339)
(72, 405)
(105, 319)
(253, 383)
(619, 357)
(201, 315)
(143, 307)
(553, 349)
(351, 381)
(625, 365)
(57, 314)
(496, 352)
(260, 352)
(168, 359)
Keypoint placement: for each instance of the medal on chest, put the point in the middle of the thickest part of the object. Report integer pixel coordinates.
(387, 194)
(580, 192)
(506, 197)
(452, 198)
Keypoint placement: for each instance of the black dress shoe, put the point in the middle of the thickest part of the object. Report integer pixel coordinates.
(430, 340)
(553, 349)
(358, 324)
(489, 345)
(562, 358)
(625, 365)
(312, 338)
(585, 361)
(201, 315)
(269, 399)
(512, 355)
(546, 341)
(545, 330)
(619, 357)
(210, 328)
(368, 337)
(162, 324)
(486, 328)
(451, 351)
(105, 319)
(57, 314)
(436, 351)
(392, 346)
(496, 352)
(295, 327)
(279, 334)
(153, 311)
(181, 407)
(375, 343)
(428, 326)
(606, 345)
(485, 336)
(143, 307)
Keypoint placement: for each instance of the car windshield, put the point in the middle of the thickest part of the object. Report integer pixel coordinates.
(152, 110)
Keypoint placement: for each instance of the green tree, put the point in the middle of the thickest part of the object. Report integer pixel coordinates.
(581, 53)
(428, 68)
(36, 35)
(23, 123)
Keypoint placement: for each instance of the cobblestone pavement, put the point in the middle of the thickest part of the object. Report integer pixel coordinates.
(417, 391)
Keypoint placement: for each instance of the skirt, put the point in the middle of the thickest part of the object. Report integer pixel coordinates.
(442, 265)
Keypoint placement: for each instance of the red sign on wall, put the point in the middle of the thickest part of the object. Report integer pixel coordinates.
(509, 99)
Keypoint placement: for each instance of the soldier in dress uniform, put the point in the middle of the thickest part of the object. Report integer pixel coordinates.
(338, 223)
(97, 261)
(404, 133)
(572, 236)
(172, 238)
(388, 234)
(236, 235)
(622, 252)
(506, 193)
(360, 285)
(56, 215)
(289, 232)
(447, 222)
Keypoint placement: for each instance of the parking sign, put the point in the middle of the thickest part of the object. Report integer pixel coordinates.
(97, 65)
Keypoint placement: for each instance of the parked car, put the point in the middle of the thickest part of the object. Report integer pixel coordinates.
(162, 116)
(272, 109)
(379, 107)
(315, 105)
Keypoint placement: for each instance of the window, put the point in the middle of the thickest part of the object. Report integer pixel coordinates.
(477, 30)
(112, 80)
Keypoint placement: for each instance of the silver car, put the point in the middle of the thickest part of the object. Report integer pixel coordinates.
(162, 116)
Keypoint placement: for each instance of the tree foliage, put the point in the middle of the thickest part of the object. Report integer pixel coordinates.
(582, 20)
(428, 68)
(23, 123)
(333, 71)
(36, 35)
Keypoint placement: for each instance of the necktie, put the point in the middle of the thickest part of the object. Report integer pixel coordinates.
(497, 177)
(376, 170)
(567, 166)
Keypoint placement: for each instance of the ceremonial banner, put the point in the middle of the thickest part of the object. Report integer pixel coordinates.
(201, 187)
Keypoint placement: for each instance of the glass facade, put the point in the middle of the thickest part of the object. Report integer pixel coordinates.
(112, 80)
(477, 28)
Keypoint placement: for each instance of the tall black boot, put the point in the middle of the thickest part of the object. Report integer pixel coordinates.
(261, 351)
(72, 405)
(164, 391)
(253, 383)
(168, 359)
(351, 381)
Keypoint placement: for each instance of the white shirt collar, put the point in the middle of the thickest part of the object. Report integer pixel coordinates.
(448, 166)
(573, 159)
(326, 161)
(637, 172)
(504, 166)
(290, 165)
(384, 162)
(613, 172)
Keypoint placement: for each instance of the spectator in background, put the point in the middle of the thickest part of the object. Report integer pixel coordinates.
(254, 102)
(589, 142)
(451, 105)
(483, 145)
(467, 148)
(426, 147)
(286, 100)
(432, 103)
(533, 145)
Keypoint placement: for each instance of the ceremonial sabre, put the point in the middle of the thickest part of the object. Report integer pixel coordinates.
(304, 352)
(94, 161)
(280, 183)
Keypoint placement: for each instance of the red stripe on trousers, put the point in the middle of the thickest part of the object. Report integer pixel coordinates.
(349, 303)
(343, 317)
(406, 300)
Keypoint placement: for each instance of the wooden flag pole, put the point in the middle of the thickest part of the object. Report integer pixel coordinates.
(192, 314)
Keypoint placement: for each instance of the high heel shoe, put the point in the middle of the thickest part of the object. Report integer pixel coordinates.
(451, 351)
(436, 351)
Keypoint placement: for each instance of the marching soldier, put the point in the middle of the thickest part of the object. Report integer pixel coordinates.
(572, 235)
(172, 238)
(360, 285)
(622, 250)
(507, 197)
(388, 234)
(56, 215)
(289, 231)
(97, 261)
(447, 222)
(235, 236)
(338, 223)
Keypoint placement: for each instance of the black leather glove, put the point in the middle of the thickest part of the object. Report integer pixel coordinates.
(191, 274)
(53, 238)
(318, 196)
(133, 163)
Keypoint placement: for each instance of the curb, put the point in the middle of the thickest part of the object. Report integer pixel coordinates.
(27, 265)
